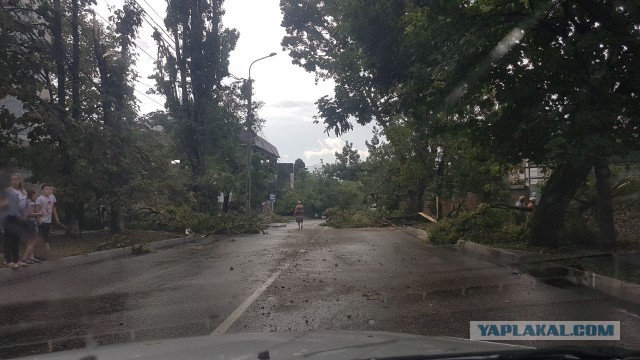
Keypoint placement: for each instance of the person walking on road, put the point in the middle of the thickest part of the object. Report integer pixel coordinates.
(299, 214)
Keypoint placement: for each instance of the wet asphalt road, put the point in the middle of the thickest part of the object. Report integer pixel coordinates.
(287, 280)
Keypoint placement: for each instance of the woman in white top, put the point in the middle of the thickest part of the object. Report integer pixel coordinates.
(14, 226)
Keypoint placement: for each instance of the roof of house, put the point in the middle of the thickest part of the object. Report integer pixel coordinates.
(266, 146)
(261, 144)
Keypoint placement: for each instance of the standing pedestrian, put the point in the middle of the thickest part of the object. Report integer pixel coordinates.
(47, 203)
(532, 203)
(14, 227)
(530, 206)
(521, 217)
(32, 217)
(298, 212)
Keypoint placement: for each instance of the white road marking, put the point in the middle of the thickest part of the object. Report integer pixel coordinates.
(222, 328)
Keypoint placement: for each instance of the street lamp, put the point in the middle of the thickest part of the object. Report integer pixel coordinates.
(249, 89)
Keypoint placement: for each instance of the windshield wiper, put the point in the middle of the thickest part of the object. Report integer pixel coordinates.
(560, 353)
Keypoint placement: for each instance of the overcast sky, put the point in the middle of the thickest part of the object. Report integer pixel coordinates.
(288, 92)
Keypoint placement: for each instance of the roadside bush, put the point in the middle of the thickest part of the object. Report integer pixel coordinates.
(339, 218)
(578, 230)
(444, 233)
(481, 225)
(266, 218)
(517, 233)
(178, 219)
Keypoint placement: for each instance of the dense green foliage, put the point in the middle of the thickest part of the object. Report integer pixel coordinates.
(481, 225)
(319, 192)
(69, 78)
(338, 218)
(555, 82)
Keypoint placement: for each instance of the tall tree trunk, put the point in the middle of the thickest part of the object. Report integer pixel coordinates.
(199, 89)
(74, 211)
(225, 203)
(416, 196)
(117, 218)
(103, 71)
(74, 216)
(110, 121)
(604, 205)
(77, 207)
(182, 65)
(440, 176)
(59, 56)
(549, 215)
(190, 134)
(75, 63)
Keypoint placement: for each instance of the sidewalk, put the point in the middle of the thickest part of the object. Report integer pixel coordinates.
(8, 274)
(546, 270)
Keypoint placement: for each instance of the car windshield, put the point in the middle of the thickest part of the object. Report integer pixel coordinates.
(307, 178)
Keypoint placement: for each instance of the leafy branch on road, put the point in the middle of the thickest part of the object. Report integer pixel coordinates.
(183, 219)
(338, 218)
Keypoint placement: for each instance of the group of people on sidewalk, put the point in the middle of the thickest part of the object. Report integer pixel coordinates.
(522, 202)
(26, 219)
(530, 205)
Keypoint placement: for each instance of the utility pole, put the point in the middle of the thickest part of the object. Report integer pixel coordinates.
(250, 133)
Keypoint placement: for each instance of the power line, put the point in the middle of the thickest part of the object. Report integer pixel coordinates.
(152, 9)
(160, 17)
(148, 97)
(100, 16)
(151, 17)
(161, 36)
(144, 51)
(151, 57)
(169, 43)
(147, 21)
(134, 43)
(161, 28)
(141, 83)
(167, 34)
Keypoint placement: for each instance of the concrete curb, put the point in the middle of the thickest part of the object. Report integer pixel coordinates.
(420, 234)
(171, 242)
(497, 256)
(543, 269)
(7, 274)
(540, 267)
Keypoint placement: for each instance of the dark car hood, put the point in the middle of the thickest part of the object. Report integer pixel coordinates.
(311, 345)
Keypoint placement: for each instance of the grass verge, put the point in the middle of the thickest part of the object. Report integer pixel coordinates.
(62, 246)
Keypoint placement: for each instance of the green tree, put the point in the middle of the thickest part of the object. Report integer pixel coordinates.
(192, 63)
(118, 107)
(318, 192)
(547, 81)
(300, 169)
(96, 154)
(56, 146)
(347, 165)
